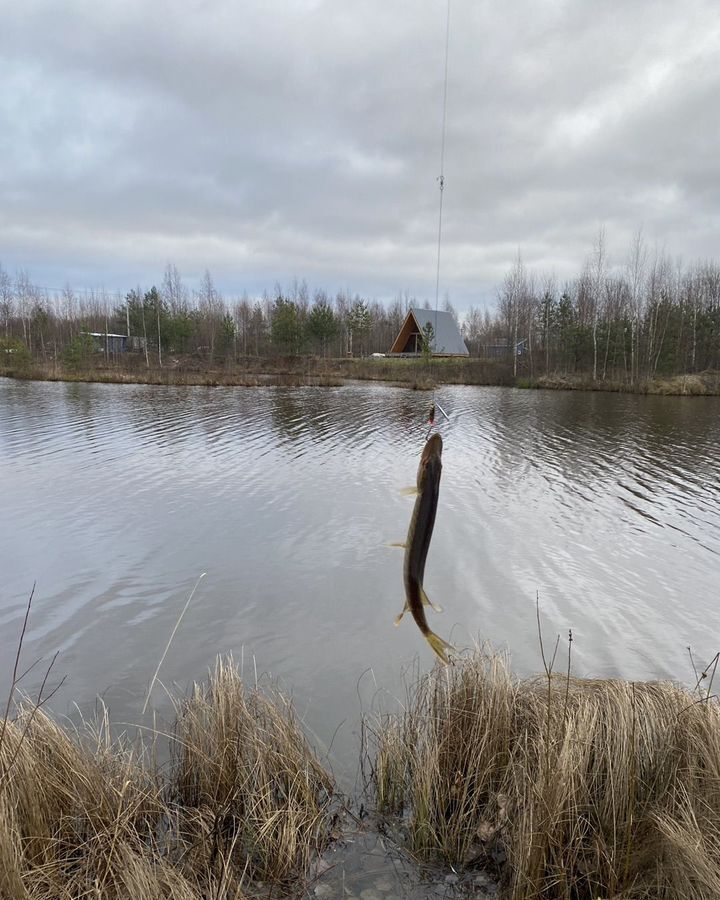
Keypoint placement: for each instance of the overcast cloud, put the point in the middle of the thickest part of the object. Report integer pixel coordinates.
(268, 139)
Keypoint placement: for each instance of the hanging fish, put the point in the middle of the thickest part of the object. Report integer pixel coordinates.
(418, 543)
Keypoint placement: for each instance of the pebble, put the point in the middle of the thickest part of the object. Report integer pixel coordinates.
(452, 878)
(324, 890)
(481, 879)
(384, 885)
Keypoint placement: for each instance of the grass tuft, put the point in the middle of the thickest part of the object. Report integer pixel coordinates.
(83, 816)
(244, 774)
(583, 788)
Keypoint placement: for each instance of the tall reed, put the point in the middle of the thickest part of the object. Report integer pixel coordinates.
(569, 787)
(245, 778)
(86, 816)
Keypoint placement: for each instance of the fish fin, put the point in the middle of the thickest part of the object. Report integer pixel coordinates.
(409, 491)
(397, 544)
(399, 617)
(428, 602)
(439, 646)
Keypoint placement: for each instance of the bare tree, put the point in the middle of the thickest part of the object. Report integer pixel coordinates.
(173, 291)
(599, 263)
(549, 290)
(23, 292)
(211, 308)
(636, 274)
(243, 319)
(514, 295)
(6, 299)
(472, 329)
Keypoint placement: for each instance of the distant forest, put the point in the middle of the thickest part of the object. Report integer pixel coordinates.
(650, 317)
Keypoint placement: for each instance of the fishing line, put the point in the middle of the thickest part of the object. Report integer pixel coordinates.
(441, 184)
(441, 177)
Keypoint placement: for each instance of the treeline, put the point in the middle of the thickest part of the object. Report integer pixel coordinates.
(172, 319)
(648, 317)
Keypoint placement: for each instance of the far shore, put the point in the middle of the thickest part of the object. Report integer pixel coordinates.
(301, 371)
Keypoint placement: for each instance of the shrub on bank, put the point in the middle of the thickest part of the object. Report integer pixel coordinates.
(79, 352)
(14, 354)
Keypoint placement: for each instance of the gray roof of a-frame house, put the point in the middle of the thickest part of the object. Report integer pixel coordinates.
(447, 334)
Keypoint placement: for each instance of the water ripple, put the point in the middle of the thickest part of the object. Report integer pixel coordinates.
(116, 497)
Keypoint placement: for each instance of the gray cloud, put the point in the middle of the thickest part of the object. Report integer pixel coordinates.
(267, 140)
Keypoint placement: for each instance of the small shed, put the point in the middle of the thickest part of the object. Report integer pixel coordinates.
(447, 340)
(104, 341)
(135, 343)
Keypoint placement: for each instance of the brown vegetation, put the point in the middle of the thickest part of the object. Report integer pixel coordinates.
(309, 371)
(247, 786)
(83, 816)
(567, 787)
(270, 371)
(574, 788)
(700, 385)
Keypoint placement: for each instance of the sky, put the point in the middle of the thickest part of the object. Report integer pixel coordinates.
(267, 140)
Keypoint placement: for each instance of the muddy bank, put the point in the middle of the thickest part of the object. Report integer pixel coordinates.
(279, 371)
(318, 372)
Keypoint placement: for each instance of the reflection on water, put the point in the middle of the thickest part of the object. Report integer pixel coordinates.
(116, 497)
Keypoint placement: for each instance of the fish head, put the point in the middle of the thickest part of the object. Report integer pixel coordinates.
(431, 459)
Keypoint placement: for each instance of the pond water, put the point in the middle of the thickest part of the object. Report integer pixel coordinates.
(115, 498)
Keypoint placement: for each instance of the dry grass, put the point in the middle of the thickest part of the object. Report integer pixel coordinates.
(315, 371)
(248, 788)
(700, 385)
(587, 789)
(175, 377)
(82, 816)
(686, 385)
(296, 371)
(78, 821)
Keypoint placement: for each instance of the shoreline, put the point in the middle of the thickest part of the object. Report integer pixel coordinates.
(486, 781)
(316, 372)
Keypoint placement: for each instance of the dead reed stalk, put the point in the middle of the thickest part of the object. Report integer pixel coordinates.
(586, 788)
(85, 816)
(245, 776)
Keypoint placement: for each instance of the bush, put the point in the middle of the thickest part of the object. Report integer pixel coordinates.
(14, 353)
(78, 352)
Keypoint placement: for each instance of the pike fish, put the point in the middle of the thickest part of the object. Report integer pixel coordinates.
(418, 543)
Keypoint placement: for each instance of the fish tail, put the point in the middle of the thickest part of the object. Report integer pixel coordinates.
(439, 646)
